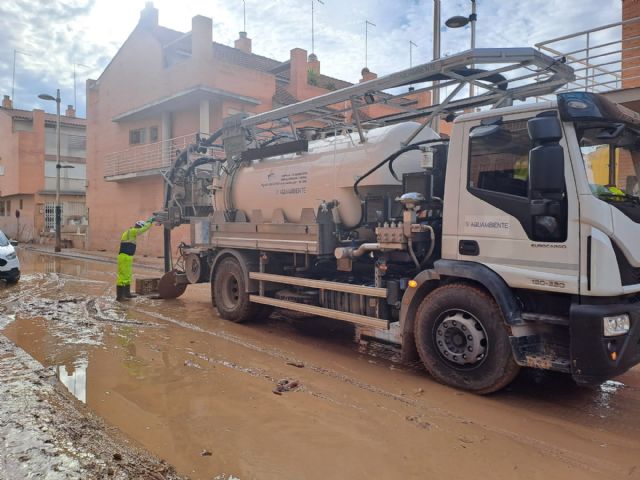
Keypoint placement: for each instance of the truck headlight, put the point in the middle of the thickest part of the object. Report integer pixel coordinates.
(616, 325)
(11, 256)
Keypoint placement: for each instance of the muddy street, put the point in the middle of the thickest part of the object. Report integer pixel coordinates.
(295, 397)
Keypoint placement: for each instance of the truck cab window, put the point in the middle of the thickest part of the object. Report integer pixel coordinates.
(499, 160)
(612, 161)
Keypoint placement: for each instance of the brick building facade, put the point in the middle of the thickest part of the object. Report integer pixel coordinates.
(28, 174)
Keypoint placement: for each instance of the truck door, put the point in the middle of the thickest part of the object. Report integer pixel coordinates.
(527, 246)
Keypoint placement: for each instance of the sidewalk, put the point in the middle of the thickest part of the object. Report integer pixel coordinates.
(151, 263)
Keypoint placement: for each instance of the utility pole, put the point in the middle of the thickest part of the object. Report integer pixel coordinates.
(366, 41)
(436, 55)
(473, 19)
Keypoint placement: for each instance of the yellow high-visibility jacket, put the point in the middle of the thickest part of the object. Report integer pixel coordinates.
(129, 237)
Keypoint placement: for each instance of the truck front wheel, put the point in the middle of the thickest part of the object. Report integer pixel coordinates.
(462, 339)
(229, 293)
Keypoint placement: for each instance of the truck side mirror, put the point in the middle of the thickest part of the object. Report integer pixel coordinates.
(546, 170)
(544, 128)
(548, 205)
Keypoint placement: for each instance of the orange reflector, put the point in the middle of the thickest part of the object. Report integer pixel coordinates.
(614, 355)
(413, 283)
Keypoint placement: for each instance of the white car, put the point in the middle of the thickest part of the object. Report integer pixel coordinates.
(9, 263)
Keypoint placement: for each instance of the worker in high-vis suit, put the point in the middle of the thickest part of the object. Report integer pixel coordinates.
(125, 258)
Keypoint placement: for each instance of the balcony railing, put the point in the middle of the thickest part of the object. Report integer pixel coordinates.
(600, 57)
(145, 158)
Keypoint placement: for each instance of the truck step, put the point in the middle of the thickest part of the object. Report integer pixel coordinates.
(322, 312)
(320, 284)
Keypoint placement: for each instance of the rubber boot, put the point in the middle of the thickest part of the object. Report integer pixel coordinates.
(127, 292)
(120, 294)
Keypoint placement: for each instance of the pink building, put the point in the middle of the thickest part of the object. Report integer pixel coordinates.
(160, 89)
(28, 175)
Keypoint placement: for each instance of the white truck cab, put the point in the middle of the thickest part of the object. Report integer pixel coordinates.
(546, 202)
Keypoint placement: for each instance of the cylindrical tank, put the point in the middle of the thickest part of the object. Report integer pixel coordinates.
(326, 172)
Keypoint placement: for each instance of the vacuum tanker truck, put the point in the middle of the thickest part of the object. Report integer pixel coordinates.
(510, 243)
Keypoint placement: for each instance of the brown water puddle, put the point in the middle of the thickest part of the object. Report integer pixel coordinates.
(184, 383)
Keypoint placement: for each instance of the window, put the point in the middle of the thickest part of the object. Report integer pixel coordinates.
(8, 208)
(1, 209)
(499, 159)
(49, 217)
(153, 134)
(20, 204)
(137, 136)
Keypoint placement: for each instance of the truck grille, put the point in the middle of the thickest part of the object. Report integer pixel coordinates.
(630, 275)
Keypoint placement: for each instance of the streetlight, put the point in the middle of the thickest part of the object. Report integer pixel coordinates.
(56, 99)
(459, 21)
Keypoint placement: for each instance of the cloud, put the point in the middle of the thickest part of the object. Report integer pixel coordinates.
(55, 34)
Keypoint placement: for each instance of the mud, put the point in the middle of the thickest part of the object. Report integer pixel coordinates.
(181, 382)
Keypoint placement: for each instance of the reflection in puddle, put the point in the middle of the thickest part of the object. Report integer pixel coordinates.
(74, 377)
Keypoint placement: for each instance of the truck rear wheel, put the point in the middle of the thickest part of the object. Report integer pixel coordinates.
(229, 293)
(462, 339)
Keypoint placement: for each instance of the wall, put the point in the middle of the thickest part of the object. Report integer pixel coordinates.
(631, 66)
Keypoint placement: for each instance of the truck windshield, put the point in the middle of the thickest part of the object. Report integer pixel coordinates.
(611, 154)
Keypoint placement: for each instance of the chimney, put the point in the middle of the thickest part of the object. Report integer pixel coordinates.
(149, 15)
(201, 38)
(298, 75)
(243, 43)
(71, 112)
(7, 103)
(367, 75)
(313, 64)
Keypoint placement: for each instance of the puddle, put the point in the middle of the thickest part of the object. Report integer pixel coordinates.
(74, 378)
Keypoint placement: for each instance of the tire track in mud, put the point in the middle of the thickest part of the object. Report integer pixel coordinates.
(428, 413)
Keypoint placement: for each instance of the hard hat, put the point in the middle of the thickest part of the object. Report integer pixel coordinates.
(140, 224)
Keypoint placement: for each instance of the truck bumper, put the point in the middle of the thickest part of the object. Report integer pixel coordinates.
(592, 354)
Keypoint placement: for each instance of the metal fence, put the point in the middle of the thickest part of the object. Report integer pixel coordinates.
(601, 57)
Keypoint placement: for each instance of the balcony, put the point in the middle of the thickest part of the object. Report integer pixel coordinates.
(144, 160)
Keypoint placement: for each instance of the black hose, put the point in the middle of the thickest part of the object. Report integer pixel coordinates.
(214, 136)
(424, 142)
(390, 158)
(198, 162)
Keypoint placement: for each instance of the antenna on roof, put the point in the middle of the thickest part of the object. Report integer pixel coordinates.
(313, 43)
(366, 40)
(411, 45)
(244, 15)
(74, 82)
(13, 77)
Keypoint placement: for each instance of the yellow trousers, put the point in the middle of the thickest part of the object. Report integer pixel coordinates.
(125, 269)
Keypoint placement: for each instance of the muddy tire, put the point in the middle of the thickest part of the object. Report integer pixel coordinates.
(462, 339)
(229, 295)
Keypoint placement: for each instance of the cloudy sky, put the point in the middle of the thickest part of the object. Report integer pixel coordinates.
(50, 36)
